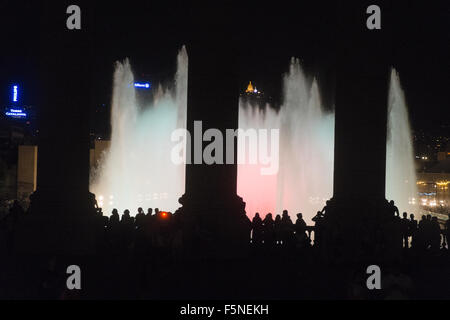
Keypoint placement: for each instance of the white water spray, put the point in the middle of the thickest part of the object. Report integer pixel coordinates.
(137, 170)
(401, 182)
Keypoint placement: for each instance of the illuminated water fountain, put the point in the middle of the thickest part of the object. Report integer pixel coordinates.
(400, 172)
(305, 177)
(138, 171)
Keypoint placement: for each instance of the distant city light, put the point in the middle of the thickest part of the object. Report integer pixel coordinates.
(143, 85)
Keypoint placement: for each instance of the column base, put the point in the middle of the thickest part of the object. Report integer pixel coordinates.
(57, 227)
(354, 230)
(214, 230)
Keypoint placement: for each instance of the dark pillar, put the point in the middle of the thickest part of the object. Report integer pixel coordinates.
(215, 216)
(62, 207)
(362, 80)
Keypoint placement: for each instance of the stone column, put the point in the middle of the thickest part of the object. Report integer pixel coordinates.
(362, 80)
(214, 213)
(62, 207)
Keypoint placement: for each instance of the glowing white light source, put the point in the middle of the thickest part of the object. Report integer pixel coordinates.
(15, 93)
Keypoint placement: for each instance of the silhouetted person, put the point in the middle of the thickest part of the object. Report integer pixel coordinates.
(318, 227)
(435, 234)
(393, 209)
(149, 219)
(127, 228)
(428, 230)
(405, 230)
(300, 231)
(114, 219)
(247, 228)
(421, 233)
(447, 232)
(396, 230)
(140, 218)
(257, 230)
(126, 218)
(287, 229)
(268, 230)
(163, 230)
(325, 209)
(277, 229)
(412, 229)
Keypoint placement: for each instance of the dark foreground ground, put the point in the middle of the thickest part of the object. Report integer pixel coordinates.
(274, 274)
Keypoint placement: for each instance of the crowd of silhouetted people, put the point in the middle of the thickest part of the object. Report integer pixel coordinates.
(407, 232)
(423, 234)
(281, 231)
(162, 229)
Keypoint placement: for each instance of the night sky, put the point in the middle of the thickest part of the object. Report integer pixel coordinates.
(150, 33)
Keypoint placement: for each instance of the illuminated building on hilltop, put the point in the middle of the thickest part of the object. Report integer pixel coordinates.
(251, 90)
(253, 96)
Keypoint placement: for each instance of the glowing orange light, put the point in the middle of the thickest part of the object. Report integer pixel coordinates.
(164, 214)
(249, 88)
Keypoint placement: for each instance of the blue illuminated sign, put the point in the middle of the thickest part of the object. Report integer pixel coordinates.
(15, 93)
(16, 113)
(142, 85)
(427, 194)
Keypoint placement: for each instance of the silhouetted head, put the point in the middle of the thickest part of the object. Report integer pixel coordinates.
(300, 215)
(126, 212)
(434, 219)
(405, 215)
(149, 211)
(278, 217)
(140, 210)
(156, 210)
(257, 215)
(391, 202)
(411, 216)
(115, 212)
(423, 218)
(285, 212)
(269, 216)
(429, 217)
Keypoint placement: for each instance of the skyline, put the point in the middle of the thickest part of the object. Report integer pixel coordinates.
(151, 35)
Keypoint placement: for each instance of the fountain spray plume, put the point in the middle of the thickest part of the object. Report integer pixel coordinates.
(136, 170)
(304, 179)
(401, 179)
